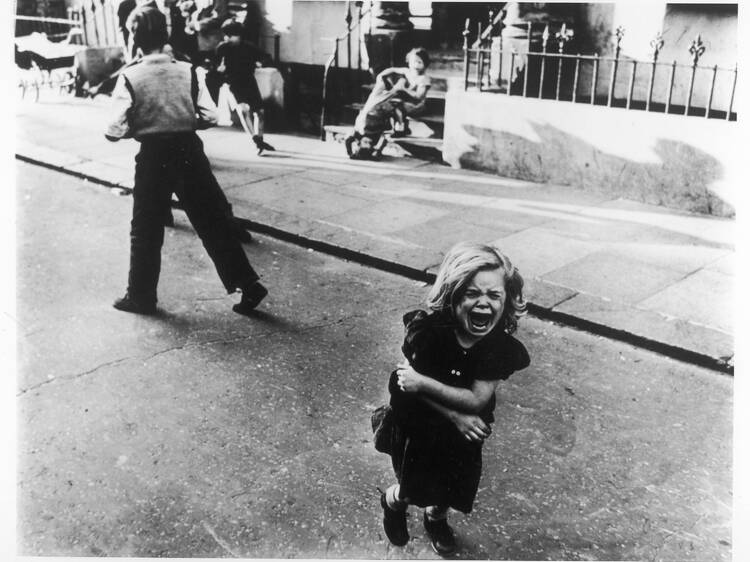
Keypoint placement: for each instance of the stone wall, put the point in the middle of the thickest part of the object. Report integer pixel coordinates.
(687, 163)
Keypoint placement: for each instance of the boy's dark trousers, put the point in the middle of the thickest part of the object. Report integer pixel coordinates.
(176, 163)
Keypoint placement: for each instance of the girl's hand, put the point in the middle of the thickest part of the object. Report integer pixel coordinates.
(471, 427)
(408, 379)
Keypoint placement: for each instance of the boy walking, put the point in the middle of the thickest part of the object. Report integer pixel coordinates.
(238, 60)
(161, 102)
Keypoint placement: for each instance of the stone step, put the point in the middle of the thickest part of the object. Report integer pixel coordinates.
(435, 120)
(423, 148)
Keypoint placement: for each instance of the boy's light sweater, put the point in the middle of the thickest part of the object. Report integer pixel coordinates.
(153, 96)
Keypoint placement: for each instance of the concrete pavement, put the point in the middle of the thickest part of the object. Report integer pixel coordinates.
(648, 275)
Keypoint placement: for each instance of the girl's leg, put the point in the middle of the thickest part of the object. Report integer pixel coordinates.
(394, 515)
(394, 500)
(440, 533)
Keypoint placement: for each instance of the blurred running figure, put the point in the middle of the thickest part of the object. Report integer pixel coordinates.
(238, 60)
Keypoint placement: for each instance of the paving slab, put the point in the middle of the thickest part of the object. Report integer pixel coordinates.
(442, 232)
(685, 258)
(649, 324)
(726, 265)
(47, 155)
(544, 294)
(614, 277)
(682, 300)
(537, 252)
(306, 198)
(388, 216)
(503, 222)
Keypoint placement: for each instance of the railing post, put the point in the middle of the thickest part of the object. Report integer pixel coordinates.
(656, 44)
(731, 95)
(671, 86)
(82, 15)
(513, 54)
(697, 48)
(93, 18)
(277, 48)
(563, 36)
(348, 34)
(465, 33)
(500, 28)
(619, 32)
(631, 85)
(528, 59)
(710, 94)
(575, 76)
(595, 78)
(480, 68)
(104, 22)
(359, 36)
(545, 38)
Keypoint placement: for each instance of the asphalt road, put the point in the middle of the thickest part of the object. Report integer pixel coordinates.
(201, 433)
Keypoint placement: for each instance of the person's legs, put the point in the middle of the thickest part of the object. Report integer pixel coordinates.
(255, 100)
(207, 211)
(151, 197)
(394, 515)
(246, 119)
(441, 534)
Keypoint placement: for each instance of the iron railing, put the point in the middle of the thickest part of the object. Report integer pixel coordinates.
(612, 81)
(335, 60)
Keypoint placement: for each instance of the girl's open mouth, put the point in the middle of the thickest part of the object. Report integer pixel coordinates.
(480, 320)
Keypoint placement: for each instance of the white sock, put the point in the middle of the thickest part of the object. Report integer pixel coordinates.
(392, 499)
(436, 512)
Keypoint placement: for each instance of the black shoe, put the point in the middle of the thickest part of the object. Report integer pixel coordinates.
(128, 304)
(441, 535)
(394, 523)
(242, 234)
(250, 299)
(262, 145)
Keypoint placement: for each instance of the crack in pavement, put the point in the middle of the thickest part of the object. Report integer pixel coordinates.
(219, 540)
(187, 345)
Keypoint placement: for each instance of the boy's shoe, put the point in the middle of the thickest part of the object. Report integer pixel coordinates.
(242, 234)
(394, 523)
(250, 299)
(129, 304)
(441, 535)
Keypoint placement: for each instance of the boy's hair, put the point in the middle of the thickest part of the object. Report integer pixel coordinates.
(149, 28)
(231, 28)
(459, 266)
(420, 52)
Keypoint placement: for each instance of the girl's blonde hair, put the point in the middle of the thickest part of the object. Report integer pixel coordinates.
(460, 265)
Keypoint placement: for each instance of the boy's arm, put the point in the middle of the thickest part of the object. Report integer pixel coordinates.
(469, 425)
(122, 101)
(470, 400)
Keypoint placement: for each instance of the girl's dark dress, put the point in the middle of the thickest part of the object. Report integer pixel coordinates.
(434, 463)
